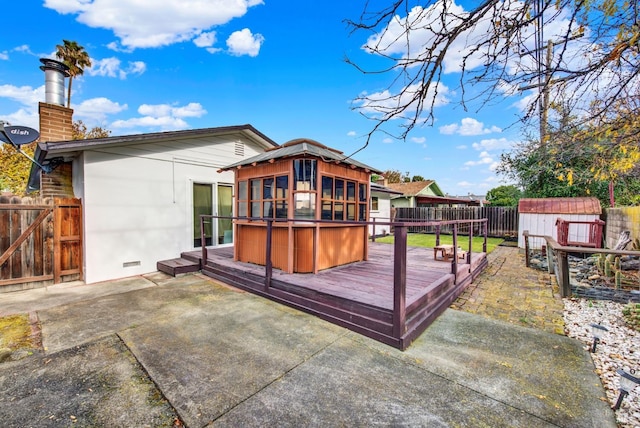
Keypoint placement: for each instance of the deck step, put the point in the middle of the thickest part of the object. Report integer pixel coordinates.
(177, 266)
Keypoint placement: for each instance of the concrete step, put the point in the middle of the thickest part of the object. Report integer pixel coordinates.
(177, 266)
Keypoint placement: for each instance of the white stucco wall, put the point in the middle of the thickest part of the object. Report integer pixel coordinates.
(138, 202)
(545, 224)
(382, 214)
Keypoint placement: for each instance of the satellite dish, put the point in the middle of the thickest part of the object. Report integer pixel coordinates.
(19, 135)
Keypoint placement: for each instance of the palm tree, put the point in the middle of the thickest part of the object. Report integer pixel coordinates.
(76, 58)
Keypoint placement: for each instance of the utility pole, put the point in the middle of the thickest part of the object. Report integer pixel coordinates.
(544, 85)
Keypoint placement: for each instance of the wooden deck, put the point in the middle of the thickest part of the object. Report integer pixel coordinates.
(370, 297)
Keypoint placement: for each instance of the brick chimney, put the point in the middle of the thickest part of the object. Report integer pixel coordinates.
(55, 118)
(56, 122)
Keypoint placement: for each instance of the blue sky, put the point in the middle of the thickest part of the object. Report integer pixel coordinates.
(277, 65)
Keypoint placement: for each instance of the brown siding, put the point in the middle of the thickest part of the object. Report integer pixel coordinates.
(251, 241)
(263, 170)
(303, 251)
(340, 245)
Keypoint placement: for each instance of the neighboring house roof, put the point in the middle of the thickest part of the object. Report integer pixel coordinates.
(55, 149)
(417, 188)
(298, 147)
(375, 187)
(472, 198)
(582, 205)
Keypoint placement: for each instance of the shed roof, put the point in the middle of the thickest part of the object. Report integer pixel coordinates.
(302, 146)
(581, 205)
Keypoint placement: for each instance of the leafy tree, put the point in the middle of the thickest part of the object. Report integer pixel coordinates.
(563, 48)
(504, 196)
(15, 168)
(76, 58)
(80, 132)
(417, 178)
(393, 176)
(581, 159)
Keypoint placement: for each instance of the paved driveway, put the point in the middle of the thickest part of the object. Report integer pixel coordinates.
(149, 350)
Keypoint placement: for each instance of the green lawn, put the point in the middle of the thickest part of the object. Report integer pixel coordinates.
(429, 241)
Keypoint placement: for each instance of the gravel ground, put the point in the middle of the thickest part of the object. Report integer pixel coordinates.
(618, 348)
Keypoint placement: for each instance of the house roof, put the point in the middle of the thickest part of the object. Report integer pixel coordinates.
(582, 205)
(301, 147)
(50, 150)
(79, 145)
(415, 188)
(375, 187)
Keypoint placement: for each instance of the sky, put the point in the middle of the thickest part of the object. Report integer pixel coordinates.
(277, 65)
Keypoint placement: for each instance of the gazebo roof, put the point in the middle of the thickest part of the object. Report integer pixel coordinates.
(301, 146)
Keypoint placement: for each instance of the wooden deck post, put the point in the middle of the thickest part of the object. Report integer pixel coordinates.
(268, 266)
(563, 273)
(373, 230)
(525, 235)
(485, 230)
(437, 235)
(470, 244)
(454, 262)
(399, 279)
(550, 265)
(203, 243)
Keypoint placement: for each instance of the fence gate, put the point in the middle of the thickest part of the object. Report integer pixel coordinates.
(40, 242)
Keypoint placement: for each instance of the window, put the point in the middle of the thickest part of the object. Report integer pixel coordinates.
(268, 197)
(304, 197)
(243, 199)
(343, 199)
(362, 202)
(374, 203)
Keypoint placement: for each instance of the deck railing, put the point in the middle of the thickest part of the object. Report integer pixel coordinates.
(400, 232)
(558, 258)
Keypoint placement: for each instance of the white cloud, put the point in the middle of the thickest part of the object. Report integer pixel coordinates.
(462, 147)
(205, 40)
(163, 116)
(23, 117)
(111, 67)
(244, 43)
(387, 140)
(418, 140)
(165, 123)
(147, 24)
(25, 95)
(494, 144)
(425, 24)
(23, 48)
(484, 159)
(97, 109)
(468, 127)
(351, 134)
(384, 102)
(4, 56)
(136, 67)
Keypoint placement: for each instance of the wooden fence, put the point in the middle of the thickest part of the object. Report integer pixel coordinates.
(40, 242)
(501, 221)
